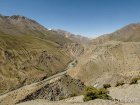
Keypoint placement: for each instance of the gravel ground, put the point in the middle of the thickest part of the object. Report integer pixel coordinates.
(75, 101)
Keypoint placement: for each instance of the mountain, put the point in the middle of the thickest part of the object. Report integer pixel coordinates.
(48, 64)
(76, 38)
(110, 58)
(29, 52)
(129, 33)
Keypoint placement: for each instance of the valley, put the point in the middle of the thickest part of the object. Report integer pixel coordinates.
(39, 66)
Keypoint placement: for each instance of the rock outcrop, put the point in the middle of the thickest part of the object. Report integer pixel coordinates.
(62, 88)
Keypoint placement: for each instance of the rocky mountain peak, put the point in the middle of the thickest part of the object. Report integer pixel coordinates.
(16, 17)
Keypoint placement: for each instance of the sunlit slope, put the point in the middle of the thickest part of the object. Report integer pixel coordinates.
(29, 52)
(111, 58)
(129, 33)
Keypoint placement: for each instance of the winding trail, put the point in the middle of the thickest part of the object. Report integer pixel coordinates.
(11, 98)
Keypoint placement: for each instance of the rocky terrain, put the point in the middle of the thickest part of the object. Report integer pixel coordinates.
(122, 95)
(71, 101)
(126, 93)
(54, 88)
(62, 88)
(110, 61)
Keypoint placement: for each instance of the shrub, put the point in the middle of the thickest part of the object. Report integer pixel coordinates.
(106, 86)
(73, 95)
(61, 98)
(134, 81)
(119, 83)
(103, 94)
(103, 91)
(91, 93)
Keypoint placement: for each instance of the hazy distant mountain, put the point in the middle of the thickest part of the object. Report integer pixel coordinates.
(76, 38)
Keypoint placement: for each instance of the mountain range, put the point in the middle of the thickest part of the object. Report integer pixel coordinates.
(39, 63)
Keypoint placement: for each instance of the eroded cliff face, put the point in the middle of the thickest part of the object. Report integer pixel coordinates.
(74, 49)
(108, 63)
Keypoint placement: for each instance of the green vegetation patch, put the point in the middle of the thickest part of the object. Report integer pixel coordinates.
(119, 83)
(106, 86)
(134, 80)
(91, 93)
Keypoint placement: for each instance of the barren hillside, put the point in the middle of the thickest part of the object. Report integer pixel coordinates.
(110, 58)
(29, 52)
(31, 55)
(129, 33)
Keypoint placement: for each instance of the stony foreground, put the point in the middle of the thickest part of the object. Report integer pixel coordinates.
(125, 95)
(94, 102)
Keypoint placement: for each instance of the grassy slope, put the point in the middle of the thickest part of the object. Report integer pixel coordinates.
(28, 58)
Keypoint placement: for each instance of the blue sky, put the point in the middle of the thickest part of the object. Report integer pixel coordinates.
(86, 17)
